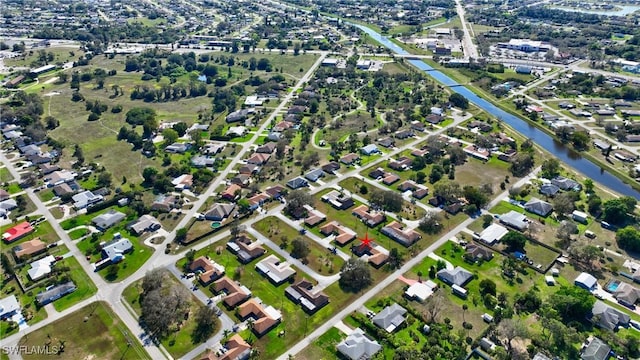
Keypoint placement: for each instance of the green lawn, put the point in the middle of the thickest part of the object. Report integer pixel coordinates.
(78, 233)
(32, 312)
(324, 347)
(44, 231)
(93, 332)
(85, 287)
(5, 175)
(319, 258)
(46, 195)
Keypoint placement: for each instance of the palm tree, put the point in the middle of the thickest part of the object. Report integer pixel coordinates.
(464, 310)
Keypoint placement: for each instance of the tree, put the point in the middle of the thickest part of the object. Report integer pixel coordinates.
(515, 241)
(170, 136)
(528, 302)
(162, 307)
(385, 199)
(300, 248)
(487, 286)
(354, 275)
(181, 234)
(563, 203)
(449, 191)
(511, 329)
(487, 220)
(395, 259)
(431, 223)
(566, 229)
(152, 280)
(205, 324)
(112, 271)
(550, 168)
(572, 303)
(459, 101)
(615, 210)
(457, 155)
(434, 306)
(628, 238)
(180, 128)
(296, 200)
(521, 164)
(7, 268)
(475, 196)
(104, 179)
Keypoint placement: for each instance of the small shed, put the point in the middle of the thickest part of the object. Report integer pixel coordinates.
(550, 280)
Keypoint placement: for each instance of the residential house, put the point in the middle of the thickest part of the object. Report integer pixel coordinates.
(276, 191)
(374, 255)
(29, 248)
(549, 189)
(258, 200)
(241, 179)
(9, 306)
(420, 291)
(239, 115)
(404, 134)
(338, 200)
(164, 203)
(4, 195)
(538, 207)
(265, 318)
(515, 220)
(378, 173)
(7, 205)
(55, 293)
(386, 142)
(85, 199)
(343, 234)
(248, 169)
(232, 192)
(236, 131)
(397, 232)
(277, 271)
(108, 219)
(17, 232)
(331, 167)
(586, 281)
(314, 175)
(350, 159)
(493, 233)
(258, 159)
(627, 294)
(267, 148)
(41, 268)
(606, 317)
(390, 178)
(596, 350)
(297, 183)
(357, 346)
(370, 149)
(46, 169)
(390, 318)
(457, 276)
(474, 253)
(144, 223)
(178, 148)
(209, 270)
(370, 217)
(235, 292)
(219, 211)
(565, 183)
(401, 164)
(302, 293)
(245, 249)
(184, 181)
(434, 119)
(235, 349)
(113, 251)
(63, 190)
(212, 148)
(418, 126)
(201, 161)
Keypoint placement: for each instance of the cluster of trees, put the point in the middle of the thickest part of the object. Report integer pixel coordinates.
(355, 275)
(163, 306)
(169, 92)
(161, 181)
(143, 116)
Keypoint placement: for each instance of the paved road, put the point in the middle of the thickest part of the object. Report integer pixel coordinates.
(470, 50)
(391, 278)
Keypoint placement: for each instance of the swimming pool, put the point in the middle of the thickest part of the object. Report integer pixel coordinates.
(612, 286)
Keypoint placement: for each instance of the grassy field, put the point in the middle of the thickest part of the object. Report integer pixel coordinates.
(319, 258)
(85, 287)
(98, 138)
(60, 54)
(324, 347)
(93, 332)
(180, 342)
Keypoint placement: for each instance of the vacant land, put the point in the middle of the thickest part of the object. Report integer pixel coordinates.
(93, 332)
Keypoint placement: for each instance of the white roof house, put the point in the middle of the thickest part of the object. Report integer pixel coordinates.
(358, 346)
(41, 268)
(586, 281)
(493, 233)
(85, 198)
(420, 291)
(8, 306)
(515, 220)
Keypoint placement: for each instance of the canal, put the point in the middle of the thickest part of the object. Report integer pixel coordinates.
(562, 152)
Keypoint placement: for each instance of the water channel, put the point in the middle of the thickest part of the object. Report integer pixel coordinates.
(622, 11)
(565, 154)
